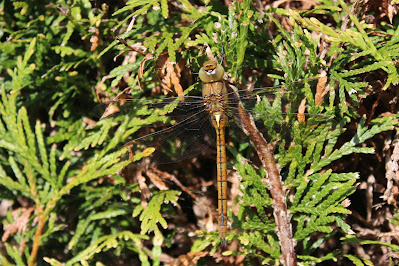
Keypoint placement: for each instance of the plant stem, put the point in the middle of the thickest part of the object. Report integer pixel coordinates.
(281, 214)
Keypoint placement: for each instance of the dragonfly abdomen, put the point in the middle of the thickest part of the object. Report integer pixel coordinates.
(219, 121)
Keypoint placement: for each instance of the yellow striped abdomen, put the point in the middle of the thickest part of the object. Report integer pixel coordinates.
(219, 121)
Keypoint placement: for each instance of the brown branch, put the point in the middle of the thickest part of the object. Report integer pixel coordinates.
(37, 239)
(281, 214)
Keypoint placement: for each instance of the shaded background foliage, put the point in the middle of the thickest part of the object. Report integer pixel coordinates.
(64, 196)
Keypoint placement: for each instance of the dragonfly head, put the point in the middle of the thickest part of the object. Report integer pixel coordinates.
(211, 71)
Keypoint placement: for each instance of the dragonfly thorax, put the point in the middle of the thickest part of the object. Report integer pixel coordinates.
(215, 97)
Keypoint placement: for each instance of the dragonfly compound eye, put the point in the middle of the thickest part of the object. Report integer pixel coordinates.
(209, 65)
(211, 71)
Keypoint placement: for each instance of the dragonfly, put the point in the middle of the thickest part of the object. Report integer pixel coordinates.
(189, 117)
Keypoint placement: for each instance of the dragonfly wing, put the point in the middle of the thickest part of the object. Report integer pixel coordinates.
(183, 140)
(276, 109)
(184, 132)
(300, 99)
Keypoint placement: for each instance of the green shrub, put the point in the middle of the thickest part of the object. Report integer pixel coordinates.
(74, 197)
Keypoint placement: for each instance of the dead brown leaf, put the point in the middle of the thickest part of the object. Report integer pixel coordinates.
(167, 176)
(19, 224)
(141, 69)
(392, 9)
(94, 39)
(145, 191)
(188, 259)
(111, 110)
(170, 74)
(157, 180)
(321, 90)
(301, 111)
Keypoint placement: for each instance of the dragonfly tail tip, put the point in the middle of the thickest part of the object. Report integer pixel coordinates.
(223, 241)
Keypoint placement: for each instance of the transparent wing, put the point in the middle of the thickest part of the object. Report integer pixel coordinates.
(181, 126)
(293, 99)
(177, 127)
